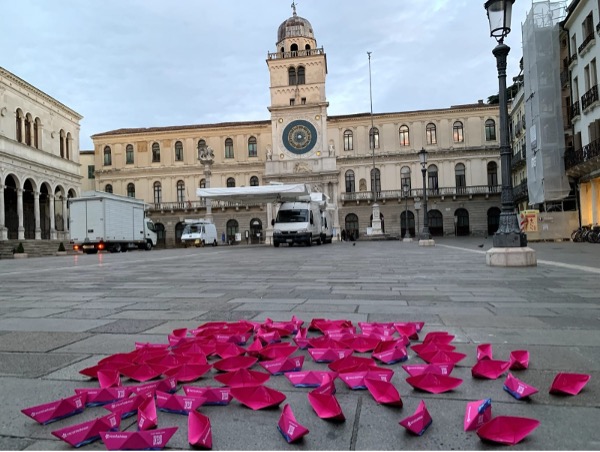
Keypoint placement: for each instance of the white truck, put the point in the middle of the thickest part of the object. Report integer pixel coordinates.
(199, 233)
(104, 221)
(305, 221)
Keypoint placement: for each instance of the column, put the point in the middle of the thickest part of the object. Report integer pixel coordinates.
(269, 233)
(66, 231)
(52, 229)
(36, 212)
(336, 213)
(3, 231)
(594, 188)
(21, 229)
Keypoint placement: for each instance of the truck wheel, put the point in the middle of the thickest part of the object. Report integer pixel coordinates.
(309, 243)
(116, 248)
(148, 246)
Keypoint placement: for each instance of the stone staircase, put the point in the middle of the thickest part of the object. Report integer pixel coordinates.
(33, 248)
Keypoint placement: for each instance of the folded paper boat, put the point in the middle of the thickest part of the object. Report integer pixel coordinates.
(108, 378)
(235, 363)
(362, 344)
(419, 421)
(519, 359)
(188, 372)
(213, 396)
(477, 413)
(147, 417)
(228, 349)
(125, 408)
(142, 440)
(326, 406)
(199, 430)
(517, 388)
(325, 324)
(329, 355)
(257, 397)
(143, 372)
(569, 383)
(172, 403)
(325, 342)
(301, 338)
(407, 329)
(438, 337)
(390, 352)
(87, 432)
(484, 351)
(352, 364)
(418, 369)
(431, 347)
(277, 351)
(433, 383)
(442, 357)
(59, 409)
(490, 369)
(309, 378)
(102, 396)
(283, 365)
(383, 392)
(242, 378)
(356, 380)
(508, 430)
(289, 427)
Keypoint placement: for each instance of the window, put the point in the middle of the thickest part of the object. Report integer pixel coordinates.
(232, 228)
(37, 133)
(179, 151)
(404, 138)
(230, 182)
(252, 149)
(350, 182)
(19, 127)
(108, 188)
(374, 138)
(292, 76)
(91, 171)
(201, 147)
(430, 133)
(459, 174)
(228, 148)
(376, 180)
(294, 49)
(303, 100)
(129, 154)
(492, 174)
(28, 122)
(202, 183)
(180, 191)
(405, 177)
(131, 190)
(292, 102)
(68, 141)
(157, 193)
(254, 181)
(348, 143)
(490, 130)
(61, 138)
(457, 132)
(301, 73)
(107, 156)
(155, 152)
(432, 179)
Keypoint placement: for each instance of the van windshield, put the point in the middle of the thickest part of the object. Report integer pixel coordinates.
(292, 216)
(192, 229)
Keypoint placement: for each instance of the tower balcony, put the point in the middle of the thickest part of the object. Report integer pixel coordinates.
(295, 54)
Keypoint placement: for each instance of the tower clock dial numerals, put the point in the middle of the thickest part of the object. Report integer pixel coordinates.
(299, 136)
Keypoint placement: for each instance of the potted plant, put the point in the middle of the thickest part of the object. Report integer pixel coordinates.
(19, 252)
(61, 250)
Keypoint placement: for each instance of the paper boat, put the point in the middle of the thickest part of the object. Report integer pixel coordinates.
(507, 429)
(519, 359)
(199, 430)
(289, 427)
(188, 372)
(569, 383)
(59, 409)
(172, 403)
(352, 364)
(213, 396)
(309, 378)
(419, 421)
(418, 369)
(126, 407)
(490, 369)
(438, 337)
(257, 397)
(108, 379)
(329, 355)
(517, 388)
(149, 439)
(147, 417)
(362, 344)
(242, 378)
(390, 352)
(283, 365)
(326, 406)
(383, 392)
(477, 413)
(235, 363)
(81, 434)
(484, 351)
(356, 380)
(278, 351)
(102, 396)
(436, 384)
(442, 357)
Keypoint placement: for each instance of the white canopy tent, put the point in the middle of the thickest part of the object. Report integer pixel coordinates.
(261, 194)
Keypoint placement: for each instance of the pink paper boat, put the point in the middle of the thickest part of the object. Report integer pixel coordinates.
(569, 383)
(328, 355)
(419, 421)
(139, 345)
(257, 397)
(228, 349)
(431, 347)
(436, 384)
(100, 396)
(362, 344)
(168, 384)
(378, 329)
(356, 380)
(438, 337)
(199, 430)
(147, 417)
(92, 371)
(108, 379)
(490, 369)
(242, 378)
(407, 329)
(325, 324)
(326, 406)
(390, 352)
(169, 360)
(301, 339)
(235, 338)
(352, 364)
(477, 413)
(517, 388)
(278, 351)
(143, 355)
(281, 366)
(438, 369)
(383, 392)
(87, 432)
(519, 359)
(268, 337)
(172, 403)
(213, 396)
(324, 342)
(327, 386)
(142, 440)
(118, 359)
(235, 363)
(309, 378)
(289, 427)
(442, 357)
(144, 389)
(54, 411)
(143, 372)
(484, 351)
(188, 372)
(507, 429)
(126, 407)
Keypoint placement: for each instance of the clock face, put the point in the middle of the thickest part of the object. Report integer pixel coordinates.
(299, 136)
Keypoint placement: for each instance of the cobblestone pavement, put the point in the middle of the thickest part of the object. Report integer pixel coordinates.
(62, 314)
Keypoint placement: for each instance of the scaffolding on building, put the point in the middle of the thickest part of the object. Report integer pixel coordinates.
(546, 178)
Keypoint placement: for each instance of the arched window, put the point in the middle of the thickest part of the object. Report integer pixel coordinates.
(19, 126)
(374, 138)
(462, 222)
(459, 175)
(228, 148)
(37, 133)
(432, 179)
(362, 185)
(375, 180)
(61, 137)
(201, 147)
(179, 151)
(129, 154)
(107, 156)
(490, 130)
(430, 133)
(307, 47)
(492, 175)
(254, 181)
(28, 129)
(131, 190)
(301, 75)
(457, 132)
(108, 188)
(435, 220)
(232, 229)
(351, 226)
(180, 191)
(348, 140)
(292, 76)
(230, 182)
(350, 181)
(157, 193)
(404, 136)
(68, 142)
(202, 183)
(294, 49)
(155, 152)
(405, 177)
(252, 148)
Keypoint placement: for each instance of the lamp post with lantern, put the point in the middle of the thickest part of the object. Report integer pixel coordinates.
(406, 192)
(425, 238)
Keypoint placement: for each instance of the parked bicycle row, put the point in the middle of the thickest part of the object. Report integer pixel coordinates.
(588, 233)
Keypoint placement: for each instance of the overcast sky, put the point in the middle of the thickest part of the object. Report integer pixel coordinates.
(147, 63)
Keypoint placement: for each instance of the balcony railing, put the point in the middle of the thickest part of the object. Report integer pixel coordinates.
(585, 154)
(295, 53)
(520, 191)
(201, 204)
(575, 110)
(517, 160)
(431, 192)
(589, 38)
(590, 97)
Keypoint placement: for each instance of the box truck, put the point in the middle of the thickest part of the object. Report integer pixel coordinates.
(306, 221)
(199, 233)
(103, 221)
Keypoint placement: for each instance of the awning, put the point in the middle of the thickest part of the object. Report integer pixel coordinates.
(258, 194)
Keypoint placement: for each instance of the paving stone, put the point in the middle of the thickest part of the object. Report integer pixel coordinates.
(128, 326)
(34, 341)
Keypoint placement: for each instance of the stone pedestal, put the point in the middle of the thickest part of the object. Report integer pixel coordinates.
(376, 222)
(426, 242)
(407, 239)
(511, 257)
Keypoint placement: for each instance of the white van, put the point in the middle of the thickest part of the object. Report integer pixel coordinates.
(199, 233)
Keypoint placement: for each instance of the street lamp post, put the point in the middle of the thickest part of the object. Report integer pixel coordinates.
(206, 156)
(406, 192)
(425, 235)
(376, 221)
